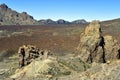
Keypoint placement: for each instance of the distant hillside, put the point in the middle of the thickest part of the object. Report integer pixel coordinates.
(62, 21)
(79, 21)
(11, 17)
(114, 22)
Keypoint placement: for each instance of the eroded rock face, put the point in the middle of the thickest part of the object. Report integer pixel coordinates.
(112, 49)
(30, 52)
(11, 17)
(94, 47)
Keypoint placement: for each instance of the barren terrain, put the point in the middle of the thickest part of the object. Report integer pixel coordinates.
(62, 40)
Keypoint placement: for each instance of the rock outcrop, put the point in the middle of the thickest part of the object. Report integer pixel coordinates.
(11, 17)
(94, 47)
(42, 66)
(28, 53)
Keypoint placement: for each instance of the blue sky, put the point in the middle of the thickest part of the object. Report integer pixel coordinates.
(67, 9)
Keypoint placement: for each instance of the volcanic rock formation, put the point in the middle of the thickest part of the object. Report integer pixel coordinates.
(29, 52)
(94, 47)
(11, 17)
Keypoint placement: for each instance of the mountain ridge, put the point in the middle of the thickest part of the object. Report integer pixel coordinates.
(9, 16)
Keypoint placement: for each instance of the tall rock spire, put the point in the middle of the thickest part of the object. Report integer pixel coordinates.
(94, 47)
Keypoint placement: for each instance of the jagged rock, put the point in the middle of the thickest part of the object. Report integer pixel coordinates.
(51, 67)
(29, 52)
(112, 49)
(41, 69)
(11, 17)
(94, 47)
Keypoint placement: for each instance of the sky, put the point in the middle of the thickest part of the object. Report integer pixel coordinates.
(67, 9)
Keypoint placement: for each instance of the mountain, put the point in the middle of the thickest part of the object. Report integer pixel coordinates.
(11, 17)
(48, 21)
(61, 21)
(79, 21)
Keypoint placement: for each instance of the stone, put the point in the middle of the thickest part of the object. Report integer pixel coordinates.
(27, 53)
(94, 47)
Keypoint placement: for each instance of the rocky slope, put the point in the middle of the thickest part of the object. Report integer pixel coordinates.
(11, 17)
(102, 72)
(45, 66)
(112, 23)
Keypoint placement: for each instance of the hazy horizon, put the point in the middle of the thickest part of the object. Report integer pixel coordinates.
(67, 9)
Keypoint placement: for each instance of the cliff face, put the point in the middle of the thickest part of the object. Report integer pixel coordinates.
(94, 47)
(11, 17)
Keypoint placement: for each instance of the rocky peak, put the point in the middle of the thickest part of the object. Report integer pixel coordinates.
(94, 47)
(49, 21)
(61, 21)
(93, 27)
(81, 21)
(4, 6)
(11, 17)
